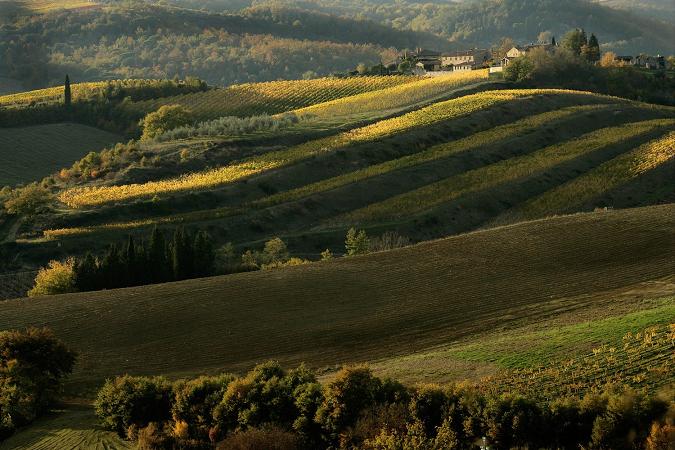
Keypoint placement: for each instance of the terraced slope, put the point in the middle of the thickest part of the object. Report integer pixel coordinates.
(424, 117)
(31, 153)
(449, 167)
(361, 308)
(272, 97)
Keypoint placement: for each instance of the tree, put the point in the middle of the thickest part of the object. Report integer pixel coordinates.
(362, 69)
(67, 95)
(553, 42)
(591, 51)
(275, 251)
(86, 274)
(519, 69)
(356, 242)
(57, 278)
(157, 257)
(164, 119)
(353, 390)
(545, 37)
(28, 200)
(608, 60)
(574, 40)
(204, 254)
(505, 44)
(32, 364)
(181, 260)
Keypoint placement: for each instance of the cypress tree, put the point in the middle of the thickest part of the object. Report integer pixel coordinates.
(157, 257)
(180, 255)
(204, 254)
(131, 276)
(86, 273)
(593, 49)
(67, 95)
(553, 42)
(111, 269)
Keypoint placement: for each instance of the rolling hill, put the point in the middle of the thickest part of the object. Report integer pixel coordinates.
(366, 308)
(442, 161)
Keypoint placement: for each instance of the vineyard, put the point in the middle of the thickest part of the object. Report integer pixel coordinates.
(272, 97)
(643, 359)
(30, 153)
(613, 173)
(49, 95)
(43, 6)
(442, 111)
(502, 172)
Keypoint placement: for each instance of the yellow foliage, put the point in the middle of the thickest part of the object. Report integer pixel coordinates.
(56, 278)
(180, 429)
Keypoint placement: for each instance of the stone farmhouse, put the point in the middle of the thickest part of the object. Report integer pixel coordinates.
(430, 63)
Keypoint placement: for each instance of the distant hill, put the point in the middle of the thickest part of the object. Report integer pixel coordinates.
(152, 41)
(483, 22)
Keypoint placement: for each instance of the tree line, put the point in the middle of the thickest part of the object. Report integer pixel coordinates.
(185, 255)
(274, 408)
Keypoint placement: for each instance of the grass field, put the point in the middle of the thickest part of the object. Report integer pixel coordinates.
(364, 308)
(70, 427)
(31, 153)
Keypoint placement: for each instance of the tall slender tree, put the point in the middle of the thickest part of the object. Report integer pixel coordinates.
(67, 95)
(157, 260)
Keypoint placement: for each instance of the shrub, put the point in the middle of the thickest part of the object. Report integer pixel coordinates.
(164, 119)
(57, 278)
(354, 390)
(128, 400)
(356, 242)
(265, 395)
(389, 240)
(257, 439)
(28, 200)
(153, 437)
(194, 402)
(32, 365)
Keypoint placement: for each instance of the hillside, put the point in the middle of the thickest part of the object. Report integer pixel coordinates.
(440, 162)
(636, 27)
(31, 153)
(364, 308)
(142, 40)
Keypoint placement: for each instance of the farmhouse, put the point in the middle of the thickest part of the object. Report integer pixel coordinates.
(428, 61)
(522, 50)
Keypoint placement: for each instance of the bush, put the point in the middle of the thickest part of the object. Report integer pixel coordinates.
(128, 400)
(265, 395)
(356, 242)
(57, 278)
(354, 390)
(258, 439)
(32, 365)
(195, 401)
(29, 200)
(166, 118)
